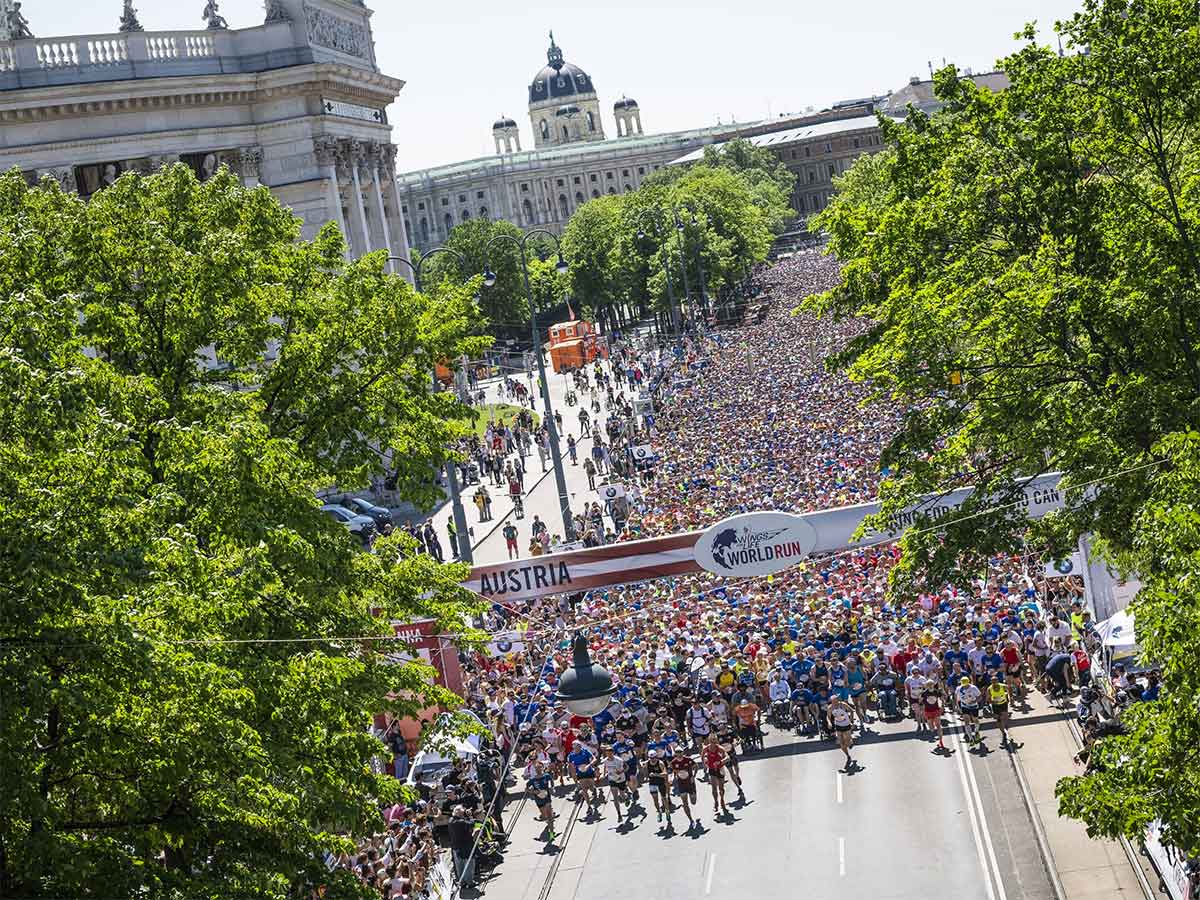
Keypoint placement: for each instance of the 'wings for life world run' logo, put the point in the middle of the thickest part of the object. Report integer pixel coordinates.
(755, 544)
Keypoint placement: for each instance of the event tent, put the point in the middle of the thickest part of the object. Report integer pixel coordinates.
(1118, 632)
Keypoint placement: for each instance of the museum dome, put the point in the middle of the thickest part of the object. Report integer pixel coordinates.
(559, 78)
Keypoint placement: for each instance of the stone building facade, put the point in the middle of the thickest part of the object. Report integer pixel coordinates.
(573, 160)
(296, 103)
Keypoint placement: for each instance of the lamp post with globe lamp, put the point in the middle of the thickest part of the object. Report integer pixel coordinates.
(489, 280)
(460, 515)
(585, 687)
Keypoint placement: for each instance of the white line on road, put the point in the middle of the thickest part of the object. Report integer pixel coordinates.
(987, 835)
(839, 787)
(962, 777)
(841, 856)
(712, 867)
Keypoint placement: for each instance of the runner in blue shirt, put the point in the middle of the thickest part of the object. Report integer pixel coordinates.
(583, 764)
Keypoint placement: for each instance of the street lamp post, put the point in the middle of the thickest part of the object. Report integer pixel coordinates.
(460, 514)
(687, 288)
(585, 687)
(489, 279)
(666, 268)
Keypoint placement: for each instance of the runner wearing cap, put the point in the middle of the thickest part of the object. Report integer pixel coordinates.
(998, 697)
(658, 778)
(538, 781)
(969, 697)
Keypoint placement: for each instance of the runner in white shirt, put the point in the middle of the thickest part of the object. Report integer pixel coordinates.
(718, 711)
(914, 684)
(614, 774)
(969, 697)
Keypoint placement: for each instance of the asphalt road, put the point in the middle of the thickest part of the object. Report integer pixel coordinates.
(908, 824)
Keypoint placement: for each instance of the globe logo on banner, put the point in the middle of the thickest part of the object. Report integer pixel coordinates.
(1064, 566)
(612, 491)
(755, 544)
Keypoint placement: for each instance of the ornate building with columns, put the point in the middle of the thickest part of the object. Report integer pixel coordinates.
(295, 103)
(572, 161)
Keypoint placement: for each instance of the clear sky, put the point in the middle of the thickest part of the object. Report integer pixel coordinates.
(466, 62)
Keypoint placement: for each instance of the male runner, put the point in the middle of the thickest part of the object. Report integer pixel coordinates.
(683, 773)
(714, 761)
(658, 776)
(969, 697)
(583, 765)
(998, 697)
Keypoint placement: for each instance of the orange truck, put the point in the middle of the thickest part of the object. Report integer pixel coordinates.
(575, 344)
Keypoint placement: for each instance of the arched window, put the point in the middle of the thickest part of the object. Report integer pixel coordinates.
(449, 223)
(483, 213)
(591, 122)
(424, 230)
(545, 130)
(612, 190)
(564, 211)
(465, 216)
(628, 188)
(528, 211)
(595, 193)
(578, 198)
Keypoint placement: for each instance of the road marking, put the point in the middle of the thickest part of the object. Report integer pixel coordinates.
(841, 856)
(839, 787)
(962, 777)
(712, 867)
(987, 834)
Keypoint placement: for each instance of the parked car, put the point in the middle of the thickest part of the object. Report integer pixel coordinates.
(379, 515)
(362, 527)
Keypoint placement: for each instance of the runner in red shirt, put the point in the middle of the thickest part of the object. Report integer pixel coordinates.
(683, 774)
(714, 757)
(1012, 668)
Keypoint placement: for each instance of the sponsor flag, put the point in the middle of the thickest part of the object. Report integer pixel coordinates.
(1068, 565)
(644, 453)
(507, 642)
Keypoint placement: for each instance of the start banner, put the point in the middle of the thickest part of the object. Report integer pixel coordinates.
(746, 545)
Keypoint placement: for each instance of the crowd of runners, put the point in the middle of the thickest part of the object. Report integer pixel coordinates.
(755, 422)
(749, 419)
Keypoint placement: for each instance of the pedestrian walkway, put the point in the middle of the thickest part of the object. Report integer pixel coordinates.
(1087, 869)
(541, 491)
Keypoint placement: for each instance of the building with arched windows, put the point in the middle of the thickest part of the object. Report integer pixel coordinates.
(574, 159)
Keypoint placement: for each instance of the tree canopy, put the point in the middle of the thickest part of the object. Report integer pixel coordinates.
(186, 657)
(487, 244)
(730, 207)
(1042, 246)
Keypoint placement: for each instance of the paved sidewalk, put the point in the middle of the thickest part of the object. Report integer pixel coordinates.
(1088, 869)
(541, 491)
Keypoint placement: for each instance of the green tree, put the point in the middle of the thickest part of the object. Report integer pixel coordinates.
(186, 659)
(1042, 243)
(503, 304)
(588, 242)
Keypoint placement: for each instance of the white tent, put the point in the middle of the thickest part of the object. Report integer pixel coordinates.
(1118, 631)
(430, 761)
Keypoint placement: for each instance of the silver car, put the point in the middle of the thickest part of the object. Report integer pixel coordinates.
(362, 527)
